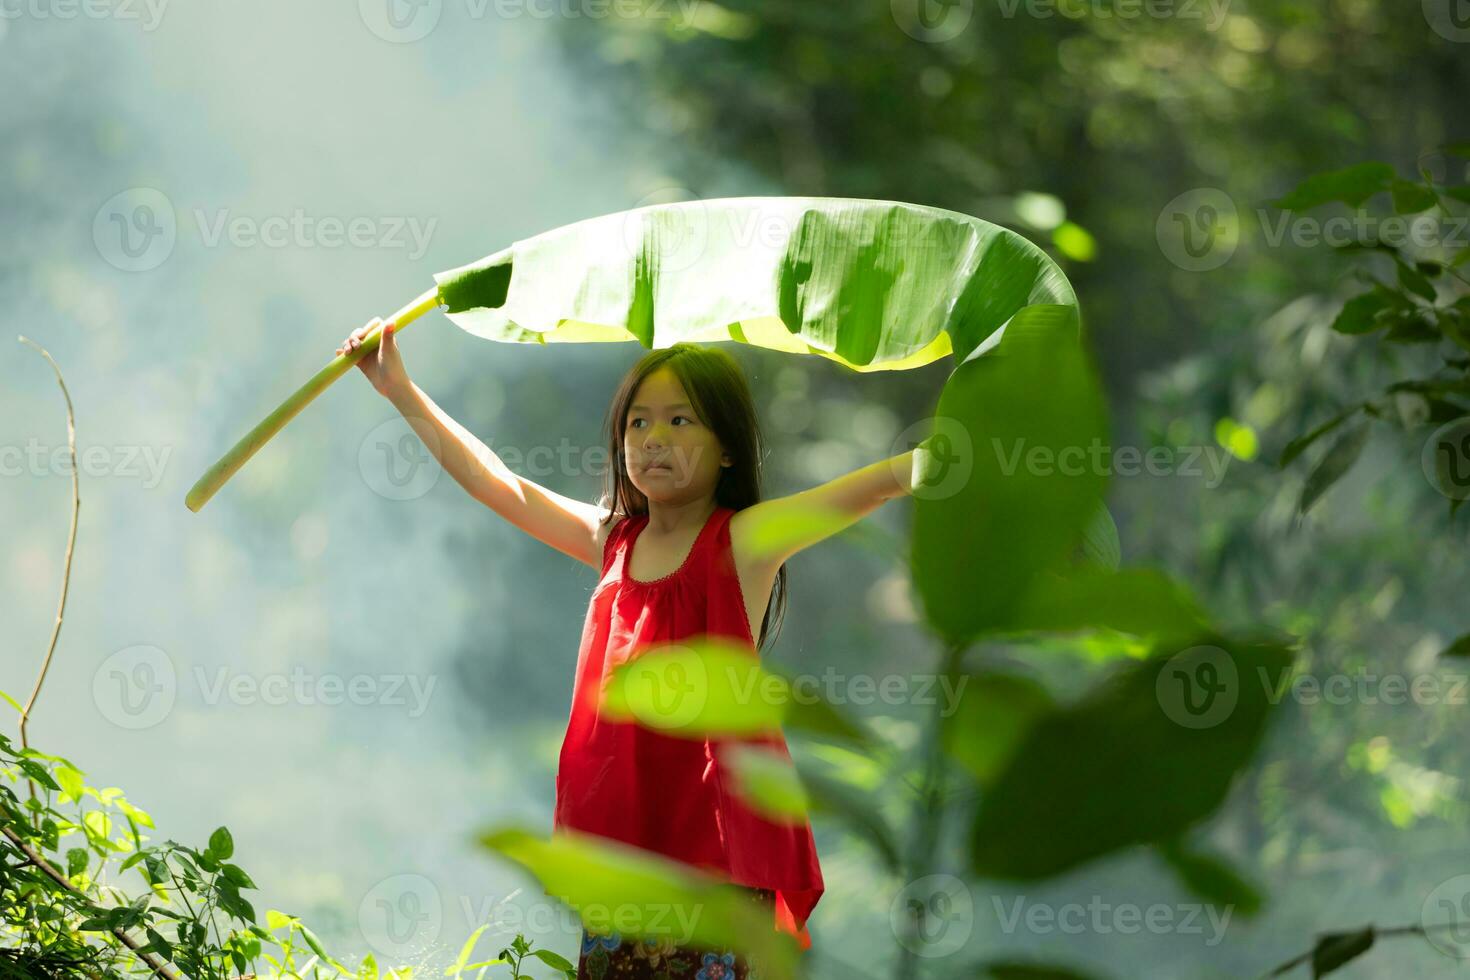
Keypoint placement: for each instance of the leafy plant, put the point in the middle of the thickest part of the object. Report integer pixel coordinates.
(65, 853)
(1421, 302)
(1049, 784)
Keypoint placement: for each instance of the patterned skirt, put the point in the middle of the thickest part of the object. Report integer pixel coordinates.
(608, 956)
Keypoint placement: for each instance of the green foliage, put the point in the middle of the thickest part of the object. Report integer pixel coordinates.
(1424, 304)
(1211, 878)
(870, 284)
(513, 955)
(1013, 552)
(641, 894)
(65, 851)
(1166, 738)
(1337, 949)
(1028, 409)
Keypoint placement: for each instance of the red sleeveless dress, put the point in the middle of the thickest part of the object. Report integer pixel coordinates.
(633, 784)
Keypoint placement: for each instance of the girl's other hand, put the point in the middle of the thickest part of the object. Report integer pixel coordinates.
(384, 366)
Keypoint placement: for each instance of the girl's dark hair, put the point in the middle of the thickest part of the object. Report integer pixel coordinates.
(720, 396)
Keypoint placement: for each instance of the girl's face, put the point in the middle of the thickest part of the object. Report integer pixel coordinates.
(672, 456)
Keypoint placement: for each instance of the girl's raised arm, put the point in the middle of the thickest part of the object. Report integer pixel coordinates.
(570, 526)
(813, 515)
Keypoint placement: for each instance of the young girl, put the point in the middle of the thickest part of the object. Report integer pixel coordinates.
(673, 539)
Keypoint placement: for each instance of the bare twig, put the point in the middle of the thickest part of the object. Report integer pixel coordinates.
(71, 541)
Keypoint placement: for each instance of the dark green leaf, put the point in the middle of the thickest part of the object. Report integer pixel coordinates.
(995, 713)
(1142, 757)
(157, 944)
(1459, 648)
(1296, 446)
(1360, 314)
(38, 772)
(1333, 465)
(1336, 949)
(1211, 878)
(1414, 328)
(1352, 185)
(1442, 411)
(237, 876)
(76, 860)
(553, 960)
(1029, 411)
(1415, 282)
(221, 844)
(1411, 198)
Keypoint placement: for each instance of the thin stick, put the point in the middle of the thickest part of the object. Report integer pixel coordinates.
(250, 443)
(71, 543)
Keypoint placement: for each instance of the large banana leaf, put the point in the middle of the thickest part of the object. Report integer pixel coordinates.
(873, 285)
